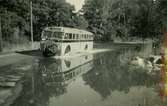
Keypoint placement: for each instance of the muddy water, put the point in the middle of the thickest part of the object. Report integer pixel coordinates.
(100, 79)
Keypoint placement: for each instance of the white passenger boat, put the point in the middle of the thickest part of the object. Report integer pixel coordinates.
(61, 41)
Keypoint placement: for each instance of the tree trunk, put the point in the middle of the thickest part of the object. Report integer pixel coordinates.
(0, 36)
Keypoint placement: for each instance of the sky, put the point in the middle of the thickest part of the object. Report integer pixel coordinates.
(77, 3)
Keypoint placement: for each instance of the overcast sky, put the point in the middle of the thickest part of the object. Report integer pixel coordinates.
(77, 3)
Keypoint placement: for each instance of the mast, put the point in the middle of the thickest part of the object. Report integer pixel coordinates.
(31, 17)
(0, 36)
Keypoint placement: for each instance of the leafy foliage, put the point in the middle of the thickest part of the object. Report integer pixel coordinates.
(16, 15)
(125, 18)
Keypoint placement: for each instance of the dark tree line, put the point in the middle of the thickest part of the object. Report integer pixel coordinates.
(125, 19)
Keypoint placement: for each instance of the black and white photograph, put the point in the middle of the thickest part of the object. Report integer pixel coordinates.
(83, 52)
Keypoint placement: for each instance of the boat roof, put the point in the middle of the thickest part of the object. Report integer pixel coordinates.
(67, 30)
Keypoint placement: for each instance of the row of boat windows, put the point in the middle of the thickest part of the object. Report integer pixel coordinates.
(77, 36)
(49, 34)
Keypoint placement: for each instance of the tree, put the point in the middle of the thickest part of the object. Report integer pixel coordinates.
(125, 18)
(55, 13)
(79, 21)
(118, 18)
(13, 17)
(0, 36)
(93, 12)
(162, 9)
(16, 17)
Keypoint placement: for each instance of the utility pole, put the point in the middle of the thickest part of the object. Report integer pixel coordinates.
(31, 17)
(0, 36)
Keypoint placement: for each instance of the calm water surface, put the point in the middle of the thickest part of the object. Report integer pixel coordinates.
(102, 79)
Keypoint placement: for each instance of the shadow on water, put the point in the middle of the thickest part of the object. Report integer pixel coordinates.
(30, 52)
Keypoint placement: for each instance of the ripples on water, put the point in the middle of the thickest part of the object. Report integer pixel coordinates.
(103, 79)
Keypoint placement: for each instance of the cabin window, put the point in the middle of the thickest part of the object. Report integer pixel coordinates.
(47, 34)
(70, 35)
(87, 37)
(77, 36)
(90, 37)
(74, 36)
(82, 36)
(66, 36)
(57, 34)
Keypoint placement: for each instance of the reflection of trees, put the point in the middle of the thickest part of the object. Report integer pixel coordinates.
(109, 75)
(36, 91)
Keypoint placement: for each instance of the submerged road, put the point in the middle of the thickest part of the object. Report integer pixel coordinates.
(101, 77)
(13, 67)
(11, 58)
(14, 57)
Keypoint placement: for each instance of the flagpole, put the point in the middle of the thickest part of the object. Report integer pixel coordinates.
(0, 36)
(31, 18)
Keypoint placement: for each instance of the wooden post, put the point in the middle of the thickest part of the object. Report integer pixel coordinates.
(31, 17)
(0, 36)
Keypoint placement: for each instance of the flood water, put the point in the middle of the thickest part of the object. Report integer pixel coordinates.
(100, 79)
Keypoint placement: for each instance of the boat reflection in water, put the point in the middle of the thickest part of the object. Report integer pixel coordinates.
(64, 71)
(50, 78)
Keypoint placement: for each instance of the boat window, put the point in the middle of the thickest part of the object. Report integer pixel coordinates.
(74, 36)
(57, 34)
(70, 35)
(85, 36)
(82, 36)
(77, 36)
(66, 36)
(47, 34)
(90, 37)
